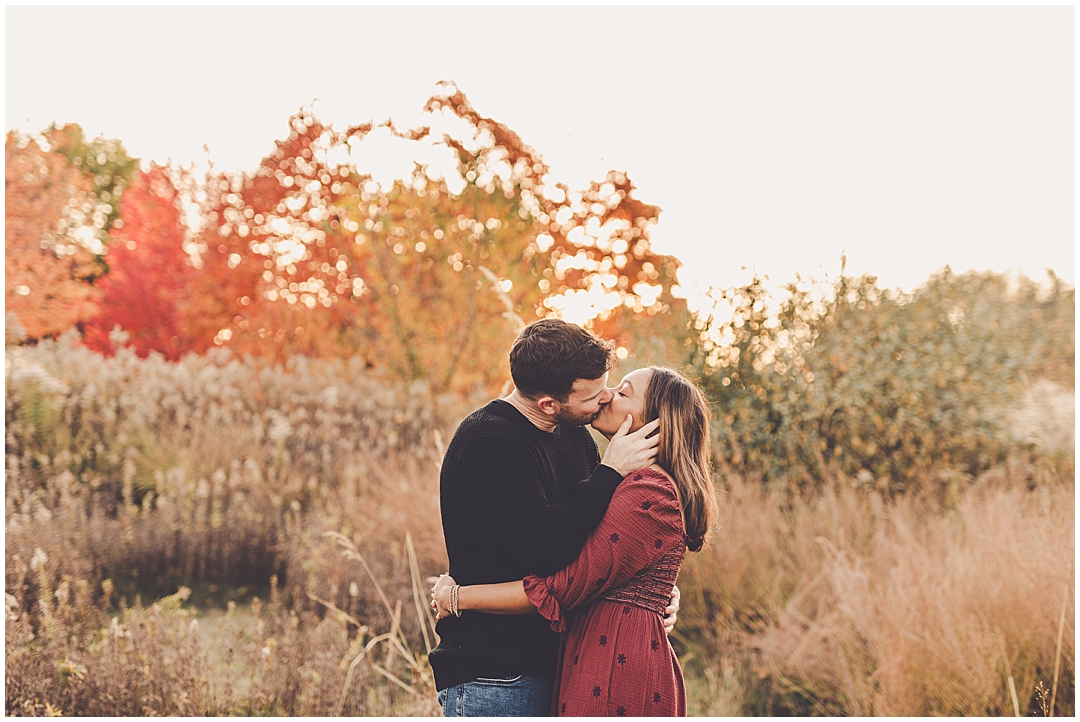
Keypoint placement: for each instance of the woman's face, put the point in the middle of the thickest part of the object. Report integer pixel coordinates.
(627, 398)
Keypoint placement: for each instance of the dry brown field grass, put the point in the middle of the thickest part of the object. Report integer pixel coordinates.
(171, 549)
(848, 603)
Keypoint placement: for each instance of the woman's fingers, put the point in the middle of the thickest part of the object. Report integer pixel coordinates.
(646, 430)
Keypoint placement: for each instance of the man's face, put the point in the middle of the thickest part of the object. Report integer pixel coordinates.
(586, 400)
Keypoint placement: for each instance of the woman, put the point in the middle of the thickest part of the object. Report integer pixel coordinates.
(616, 659)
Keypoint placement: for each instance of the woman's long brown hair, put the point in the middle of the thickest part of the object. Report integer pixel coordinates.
(684, 447)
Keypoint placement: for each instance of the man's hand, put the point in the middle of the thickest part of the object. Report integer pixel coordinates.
(626, 452)
(440, 596)
(671, 613)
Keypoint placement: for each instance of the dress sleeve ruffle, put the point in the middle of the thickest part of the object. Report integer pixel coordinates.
(540, 594)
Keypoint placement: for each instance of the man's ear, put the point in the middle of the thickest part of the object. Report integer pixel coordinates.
(548, 405)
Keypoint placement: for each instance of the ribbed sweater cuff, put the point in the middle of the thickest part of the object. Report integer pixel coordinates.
(606, 473)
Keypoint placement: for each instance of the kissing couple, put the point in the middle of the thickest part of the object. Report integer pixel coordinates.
(563, 564)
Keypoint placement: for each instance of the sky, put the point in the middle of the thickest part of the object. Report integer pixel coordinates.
(775, 139)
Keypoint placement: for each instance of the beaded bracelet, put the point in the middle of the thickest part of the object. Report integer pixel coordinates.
(454, 600)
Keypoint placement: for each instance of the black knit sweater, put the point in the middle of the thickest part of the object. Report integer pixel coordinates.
(515, 500)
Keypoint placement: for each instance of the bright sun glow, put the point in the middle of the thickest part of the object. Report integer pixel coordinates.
(580, 306)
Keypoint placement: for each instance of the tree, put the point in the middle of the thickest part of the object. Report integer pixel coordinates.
(47, 269)
(149, 272)
(105, 162)
(306, 255)
(879, 385)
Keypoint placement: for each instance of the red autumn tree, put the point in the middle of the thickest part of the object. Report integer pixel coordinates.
(150, 274)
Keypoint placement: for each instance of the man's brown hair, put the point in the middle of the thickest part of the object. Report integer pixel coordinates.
(549, 355)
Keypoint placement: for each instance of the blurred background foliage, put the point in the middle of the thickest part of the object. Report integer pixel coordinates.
(853, 379)
(208, 378)
(104, 162)
(308, 255)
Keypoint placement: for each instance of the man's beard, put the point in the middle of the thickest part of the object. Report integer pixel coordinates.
(562, 416)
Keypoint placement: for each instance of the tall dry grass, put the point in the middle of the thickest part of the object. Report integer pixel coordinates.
(846, 603)
(129, 479)
(293, 654)
(157, 475)
(219, 537)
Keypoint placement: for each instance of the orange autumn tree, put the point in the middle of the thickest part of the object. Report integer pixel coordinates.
(149, 275)
(47, 268)
(307, 255)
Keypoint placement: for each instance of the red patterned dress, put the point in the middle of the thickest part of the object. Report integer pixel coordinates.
(616, 660)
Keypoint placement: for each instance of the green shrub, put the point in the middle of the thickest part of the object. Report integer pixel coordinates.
(846, 378)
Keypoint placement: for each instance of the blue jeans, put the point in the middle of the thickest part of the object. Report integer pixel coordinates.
(520, 696)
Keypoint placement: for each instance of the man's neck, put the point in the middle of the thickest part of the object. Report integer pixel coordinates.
(528, 409)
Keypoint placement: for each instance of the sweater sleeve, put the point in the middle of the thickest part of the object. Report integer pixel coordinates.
(506, 489)
(643, 517)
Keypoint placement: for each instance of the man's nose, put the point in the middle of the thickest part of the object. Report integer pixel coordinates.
(606, 397)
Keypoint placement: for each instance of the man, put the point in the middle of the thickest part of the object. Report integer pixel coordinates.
(522, 486)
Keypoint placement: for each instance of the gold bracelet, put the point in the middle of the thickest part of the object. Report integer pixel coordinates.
(454, 600)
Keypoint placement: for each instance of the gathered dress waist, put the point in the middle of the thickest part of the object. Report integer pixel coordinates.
(651, 587)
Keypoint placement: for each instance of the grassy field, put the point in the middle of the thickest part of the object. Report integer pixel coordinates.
(214, 537)
(850, 604)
